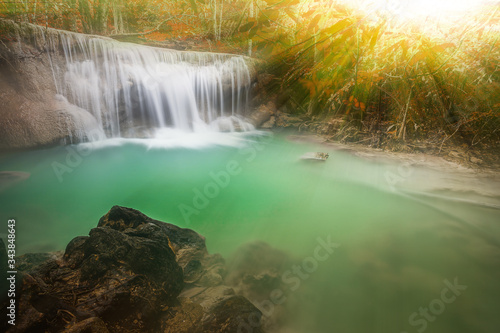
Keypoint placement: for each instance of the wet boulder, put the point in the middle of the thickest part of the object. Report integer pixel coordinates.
(262, 114)
(123, 276)
(122, 218)
(212, 310)
(255, 271)
(131, 274)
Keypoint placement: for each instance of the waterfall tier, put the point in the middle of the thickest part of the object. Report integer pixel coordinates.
(129, 87)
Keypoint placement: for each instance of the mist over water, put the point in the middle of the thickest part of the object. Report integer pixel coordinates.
(399, 242)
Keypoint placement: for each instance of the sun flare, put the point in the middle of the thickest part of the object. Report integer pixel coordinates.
(416, 10)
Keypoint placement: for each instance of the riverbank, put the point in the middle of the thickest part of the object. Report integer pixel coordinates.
(337, 131)
(462, 177)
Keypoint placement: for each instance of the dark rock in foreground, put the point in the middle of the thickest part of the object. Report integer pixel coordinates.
(128, 276)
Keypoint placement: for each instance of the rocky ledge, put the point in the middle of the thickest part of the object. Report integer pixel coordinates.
(130, 274)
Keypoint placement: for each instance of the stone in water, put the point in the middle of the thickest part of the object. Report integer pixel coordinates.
(315, 156)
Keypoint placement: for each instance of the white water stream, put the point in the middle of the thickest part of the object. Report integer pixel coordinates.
(135, 91)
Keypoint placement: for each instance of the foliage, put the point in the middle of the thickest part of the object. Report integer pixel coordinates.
(340, 62)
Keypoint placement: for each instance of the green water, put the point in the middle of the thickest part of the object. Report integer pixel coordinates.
(395, 250)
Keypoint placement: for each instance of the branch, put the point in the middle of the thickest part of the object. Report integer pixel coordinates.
(143, 33)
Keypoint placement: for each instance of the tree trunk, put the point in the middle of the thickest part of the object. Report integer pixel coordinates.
(251, 14)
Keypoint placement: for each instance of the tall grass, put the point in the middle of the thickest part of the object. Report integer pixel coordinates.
(406, 79)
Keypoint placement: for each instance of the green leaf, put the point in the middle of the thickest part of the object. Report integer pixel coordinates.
(247, 26)
(374, 38)
(252, 32)
(261, 45)
(268, 50)
(271, 14)
(337, 27)
(193, 6)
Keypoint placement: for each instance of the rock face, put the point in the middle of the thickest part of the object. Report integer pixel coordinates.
(4, 285)
(262, 114)
(30, 113)
(130, 274)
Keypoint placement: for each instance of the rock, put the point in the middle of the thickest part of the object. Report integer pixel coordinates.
(184, 318)
(33, 262)
(475, 160)
(4, 285)
(74, 254)
(36, 124)
(265, 78)
(287, 120)
(255, 271)
(232, 124)
(29, 299)
(261, 92)
(207, 297)
(192, 271)
(122, 218)
(270, 123)
(233, 314)
(262, 114)
(3, 257)
(335, 124)
(91, 325)
(211, 278)
(223, 311)
(455, 154)
(31, 115)
(124, 272)
(199, 267)
(131, 274)
(315, 156)
(9, 178)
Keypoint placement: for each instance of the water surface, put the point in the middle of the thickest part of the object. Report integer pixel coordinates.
(396, 248)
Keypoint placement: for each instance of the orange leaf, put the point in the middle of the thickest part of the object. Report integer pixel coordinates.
(314, 22)
(442, 47)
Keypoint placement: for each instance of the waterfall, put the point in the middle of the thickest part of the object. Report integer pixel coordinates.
(134, 90)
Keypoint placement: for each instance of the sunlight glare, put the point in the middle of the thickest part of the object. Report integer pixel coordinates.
(415, 10)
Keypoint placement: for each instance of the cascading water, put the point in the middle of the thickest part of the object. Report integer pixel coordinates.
(134, 90)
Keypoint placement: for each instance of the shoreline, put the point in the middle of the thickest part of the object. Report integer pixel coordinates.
(480, 179)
